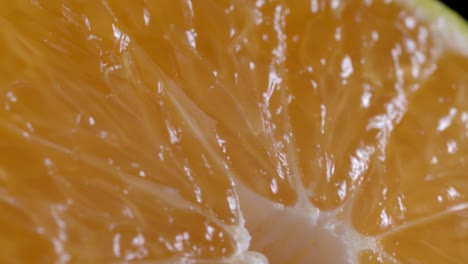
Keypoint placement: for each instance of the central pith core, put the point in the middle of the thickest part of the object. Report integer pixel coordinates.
(301, 235)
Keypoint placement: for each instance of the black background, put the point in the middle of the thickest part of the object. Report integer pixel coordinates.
(461, 6)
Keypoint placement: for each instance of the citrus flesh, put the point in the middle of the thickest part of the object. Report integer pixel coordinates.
(232, 132)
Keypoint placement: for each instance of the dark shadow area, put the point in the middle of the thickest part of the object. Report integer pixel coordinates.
(461, 6)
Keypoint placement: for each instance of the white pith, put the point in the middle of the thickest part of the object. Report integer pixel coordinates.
(325, 237)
